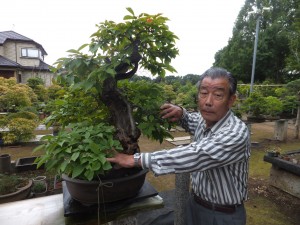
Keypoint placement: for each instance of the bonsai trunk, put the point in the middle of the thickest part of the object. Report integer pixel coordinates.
(119, 107)
(121, 116)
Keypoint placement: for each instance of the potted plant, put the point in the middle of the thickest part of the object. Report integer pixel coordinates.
(100, 110)
(273, 151)
(39, 188)
(255, 107)
(19, 121)
(14, 188)
(20, 127)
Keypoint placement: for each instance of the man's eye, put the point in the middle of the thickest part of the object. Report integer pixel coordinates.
(218, 96)
(203, 94)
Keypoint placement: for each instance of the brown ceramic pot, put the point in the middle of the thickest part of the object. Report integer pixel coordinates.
(106, 190)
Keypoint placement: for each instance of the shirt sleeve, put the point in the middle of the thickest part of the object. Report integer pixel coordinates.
(220, 149)
(189, 121)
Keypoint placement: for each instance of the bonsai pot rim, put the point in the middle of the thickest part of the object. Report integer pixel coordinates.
(115, 180)
(4, 155)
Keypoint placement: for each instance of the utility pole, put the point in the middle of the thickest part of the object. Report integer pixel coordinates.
(254, 51)
(258, 13)
(298, 119)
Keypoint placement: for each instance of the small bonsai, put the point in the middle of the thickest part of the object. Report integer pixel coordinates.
(100, 107)
(255, 105)
(39, 187)
(11, 183)
(273, 151)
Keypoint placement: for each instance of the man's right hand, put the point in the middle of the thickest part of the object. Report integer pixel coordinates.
(171, 112)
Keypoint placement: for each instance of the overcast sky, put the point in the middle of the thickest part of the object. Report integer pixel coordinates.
(203, 26)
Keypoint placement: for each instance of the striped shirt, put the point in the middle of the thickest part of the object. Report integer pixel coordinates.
(218, 158)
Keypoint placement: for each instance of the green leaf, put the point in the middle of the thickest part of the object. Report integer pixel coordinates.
(39, 148)
(68, 150)
(75, 156)
(73, 51)
(96, 166)
(102, 159)
(128, 17)
(40, 161)
(82, 47)
(77, 171)
(110, 71)
(89, 175)
(64, 165)
(107, 166)
(52, 164)
(94, 147)
(130, 10)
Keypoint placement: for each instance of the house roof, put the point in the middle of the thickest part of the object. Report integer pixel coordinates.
(4, 62)
(7, 62)
(41, 66)
(13, 36)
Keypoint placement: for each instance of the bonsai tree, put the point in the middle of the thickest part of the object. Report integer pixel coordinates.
(103, 107)
(20, 121)
(14, 97)
(39, 187)
(20, 125)
(255, 105)
(274, 106)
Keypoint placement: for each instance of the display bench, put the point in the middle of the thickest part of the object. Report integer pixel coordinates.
(61, 210)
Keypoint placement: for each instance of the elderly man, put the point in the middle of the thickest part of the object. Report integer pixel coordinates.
(218, 157)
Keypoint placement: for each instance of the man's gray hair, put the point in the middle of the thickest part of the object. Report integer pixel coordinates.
(216, 72)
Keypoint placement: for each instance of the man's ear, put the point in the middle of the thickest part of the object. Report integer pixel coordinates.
(232, 99)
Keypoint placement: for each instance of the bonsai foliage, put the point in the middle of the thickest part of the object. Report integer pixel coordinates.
(15, 96)
(274, 106)
(116, 52)
(255, 104)
(17, 100)
(20, 126)
(80, 152)
(11, 183)
(20, 129)
(103, 107)
(39, 187)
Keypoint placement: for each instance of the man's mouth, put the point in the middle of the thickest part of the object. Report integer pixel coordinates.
(207, 112)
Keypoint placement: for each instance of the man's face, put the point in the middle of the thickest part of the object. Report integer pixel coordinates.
(214, 100)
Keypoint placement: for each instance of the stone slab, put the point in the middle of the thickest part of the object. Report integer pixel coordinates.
(285, 181)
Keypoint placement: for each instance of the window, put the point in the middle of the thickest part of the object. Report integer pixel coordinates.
(31, 53)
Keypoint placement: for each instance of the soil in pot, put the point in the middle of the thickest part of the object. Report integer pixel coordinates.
(107, 190)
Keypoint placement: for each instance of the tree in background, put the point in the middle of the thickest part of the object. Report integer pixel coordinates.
(293, 60)
(275, 48)
(37, 85)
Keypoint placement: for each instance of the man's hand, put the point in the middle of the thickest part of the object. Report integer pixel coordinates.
(122, 160)
(171, 112)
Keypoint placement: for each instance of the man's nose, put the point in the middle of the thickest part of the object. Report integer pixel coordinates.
(209, 99)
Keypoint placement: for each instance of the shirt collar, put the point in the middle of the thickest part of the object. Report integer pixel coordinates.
(219, 124)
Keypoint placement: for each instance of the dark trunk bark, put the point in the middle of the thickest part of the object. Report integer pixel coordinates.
(121, 116)
(119, 107)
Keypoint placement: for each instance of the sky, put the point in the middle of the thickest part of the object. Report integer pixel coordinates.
(203, 26)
